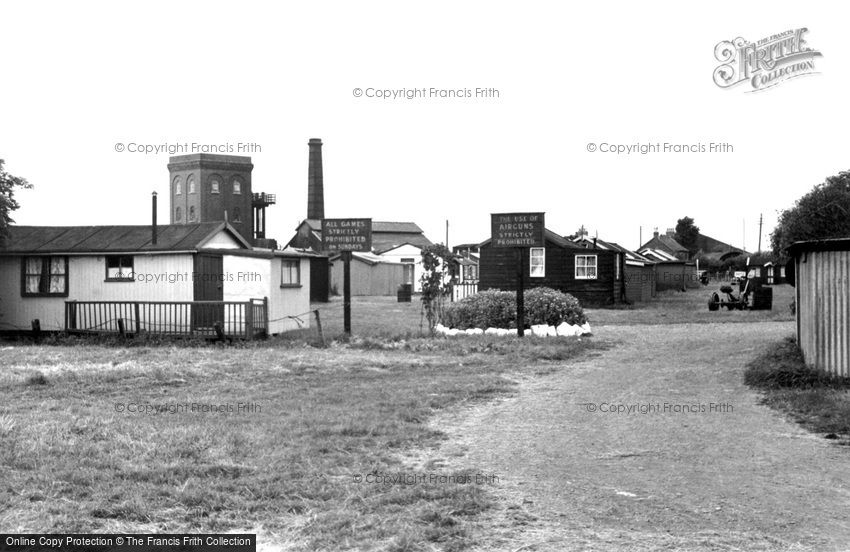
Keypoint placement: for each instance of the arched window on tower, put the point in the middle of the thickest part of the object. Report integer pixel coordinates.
(178, 186)
(215, 185)
(178, 214)
(191, 213)
(191, 184)
(237, 187)
(237, 215)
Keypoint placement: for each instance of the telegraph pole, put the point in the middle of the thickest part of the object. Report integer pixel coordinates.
(760, 223)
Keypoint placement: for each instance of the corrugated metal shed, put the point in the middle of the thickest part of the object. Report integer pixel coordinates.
(822, 280)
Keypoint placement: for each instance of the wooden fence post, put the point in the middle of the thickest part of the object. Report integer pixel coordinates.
(266, 315)
(249, 319)
(138, 318)
(319, 326)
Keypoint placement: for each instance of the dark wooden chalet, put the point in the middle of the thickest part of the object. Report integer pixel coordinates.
(592, 275)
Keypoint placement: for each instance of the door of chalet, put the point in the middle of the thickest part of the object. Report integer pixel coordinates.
(208, 280)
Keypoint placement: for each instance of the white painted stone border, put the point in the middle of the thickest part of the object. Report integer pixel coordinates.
(540, 330)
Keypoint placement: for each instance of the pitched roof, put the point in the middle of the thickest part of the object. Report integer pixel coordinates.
(384, 241)
(670, 243)
(707, 244)
(106, 239)
(602, 244)
(557, 239)
(657, 254)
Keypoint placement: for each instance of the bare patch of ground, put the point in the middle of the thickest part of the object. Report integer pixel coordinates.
(732, 476)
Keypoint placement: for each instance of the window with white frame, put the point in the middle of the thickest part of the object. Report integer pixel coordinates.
(617, 266)
(45, 276)
(585, 267)
(290, 273)
(538, 262)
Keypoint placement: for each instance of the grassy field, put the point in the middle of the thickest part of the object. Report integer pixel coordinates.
(305, 446)
(691, 306)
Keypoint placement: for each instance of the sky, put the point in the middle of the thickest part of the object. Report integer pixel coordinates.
(82, 79)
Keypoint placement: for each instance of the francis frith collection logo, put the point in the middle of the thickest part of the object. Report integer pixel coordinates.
(766, 63)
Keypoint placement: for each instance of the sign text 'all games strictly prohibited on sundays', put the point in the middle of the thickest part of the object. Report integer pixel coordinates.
(517, 229)
(347, 234)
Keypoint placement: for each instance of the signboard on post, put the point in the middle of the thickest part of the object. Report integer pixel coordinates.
(518, 231)
(347, 235)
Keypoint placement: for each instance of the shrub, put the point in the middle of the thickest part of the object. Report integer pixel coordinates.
(489, 308)
(497, 309)
(548, 306)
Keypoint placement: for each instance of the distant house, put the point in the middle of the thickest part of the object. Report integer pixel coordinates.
(774, 273)
(665, 247)
(370, 274)
(43, 267)
(393, 242)
(638, 270)
(468, 255)
(712, 248)
(594, 276)
(666, 243)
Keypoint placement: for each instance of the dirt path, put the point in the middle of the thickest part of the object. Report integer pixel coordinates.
(739, 478)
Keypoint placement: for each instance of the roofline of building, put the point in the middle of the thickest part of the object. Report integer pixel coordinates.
(832, 244)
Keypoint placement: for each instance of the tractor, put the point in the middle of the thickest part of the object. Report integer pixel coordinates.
(749, 284)
(732, 301)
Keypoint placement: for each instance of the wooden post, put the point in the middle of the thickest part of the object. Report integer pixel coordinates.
(71, 324)
(138, 318)
(520, 292)
(36, 329)
(346, 292)
(121, 327)
(319, 326)
(249, 319)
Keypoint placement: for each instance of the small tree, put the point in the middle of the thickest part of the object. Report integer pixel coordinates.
(437, 264)
(687, 233)
(8, 183)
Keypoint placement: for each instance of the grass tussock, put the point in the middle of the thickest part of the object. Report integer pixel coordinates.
(783, 366)
(815, 399)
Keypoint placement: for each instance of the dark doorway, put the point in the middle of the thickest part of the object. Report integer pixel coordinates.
(208, 280)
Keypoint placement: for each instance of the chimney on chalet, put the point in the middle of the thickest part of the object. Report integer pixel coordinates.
(315, 181)
(655, 232)
(153, 218)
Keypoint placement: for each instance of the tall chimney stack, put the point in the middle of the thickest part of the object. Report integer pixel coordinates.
(315, 181)
(153, 218)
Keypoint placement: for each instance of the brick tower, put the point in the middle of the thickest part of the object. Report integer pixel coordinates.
(210, 188)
